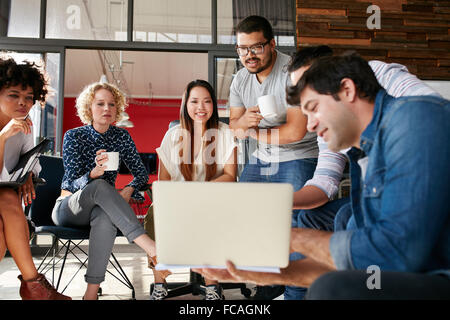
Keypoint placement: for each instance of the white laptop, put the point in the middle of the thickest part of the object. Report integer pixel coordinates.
(203, 224)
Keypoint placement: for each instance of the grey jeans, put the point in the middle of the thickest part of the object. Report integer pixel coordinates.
(100, 207)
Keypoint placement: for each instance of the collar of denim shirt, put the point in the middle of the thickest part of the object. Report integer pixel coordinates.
(368, 135)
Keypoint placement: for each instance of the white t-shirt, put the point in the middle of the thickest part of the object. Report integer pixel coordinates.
(169, 151)
(244, 92)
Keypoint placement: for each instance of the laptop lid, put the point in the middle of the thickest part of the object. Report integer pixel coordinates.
(206, 223)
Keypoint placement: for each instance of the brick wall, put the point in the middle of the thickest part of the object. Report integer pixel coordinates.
(414, 33)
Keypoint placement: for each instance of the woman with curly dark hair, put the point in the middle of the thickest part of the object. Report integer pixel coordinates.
(20, 86)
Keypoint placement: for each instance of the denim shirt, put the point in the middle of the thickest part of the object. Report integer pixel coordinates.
(79, 152)
(401, 206)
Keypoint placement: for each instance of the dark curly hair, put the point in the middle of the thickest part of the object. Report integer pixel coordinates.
(25, 74)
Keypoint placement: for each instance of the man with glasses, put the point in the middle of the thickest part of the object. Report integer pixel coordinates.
(285, 152)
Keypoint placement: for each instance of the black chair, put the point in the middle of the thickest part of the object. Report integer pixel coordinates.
(148, 159)
(196, 285)
(69, 238)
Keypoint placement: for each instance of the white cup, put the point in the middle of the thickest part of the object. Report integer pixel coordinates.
(113, 161)
(267, 106)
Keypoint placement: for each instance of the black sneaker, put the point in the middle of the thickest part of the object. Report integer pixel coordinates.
(214, 292)
(268, 292)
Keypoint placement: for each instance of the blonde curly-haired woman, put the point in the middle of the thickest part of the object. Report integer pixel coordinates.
(88, 196)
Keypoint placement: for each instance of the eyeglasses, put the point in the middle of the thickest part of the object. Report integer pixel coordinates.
(256, 49)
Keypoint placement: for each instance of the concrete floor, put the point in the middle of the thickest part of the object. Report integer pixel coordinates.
(133, 261)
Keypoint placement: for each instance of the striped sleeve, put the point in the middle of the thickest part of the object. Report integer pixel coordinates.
(329, 169)
(398, 82)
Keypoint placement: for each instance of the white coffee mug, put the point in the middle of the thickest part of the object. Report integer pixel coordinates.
(268, 106)
(113, 161)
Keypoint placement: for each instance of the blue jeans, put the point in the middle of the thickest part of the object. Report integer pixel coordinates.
(295, 172)
(101, 208)
(322, 218)
(344, 219)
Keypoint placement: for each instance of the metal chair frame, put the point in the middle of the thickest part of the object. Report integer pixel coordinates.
(67, 242)
(70, 246)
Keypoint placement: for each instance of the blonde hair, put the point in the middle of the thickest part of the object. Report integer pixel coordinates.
(84, 101)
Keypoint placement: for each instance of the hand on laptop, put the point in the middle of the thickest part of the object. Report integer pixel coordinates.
(231, 274)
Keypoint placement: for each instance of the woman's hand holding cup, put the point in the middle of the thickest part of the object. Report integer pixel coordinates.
(100, 159)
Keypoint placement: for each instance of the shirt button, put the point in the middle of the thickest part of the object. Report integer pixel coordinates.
(374, 190)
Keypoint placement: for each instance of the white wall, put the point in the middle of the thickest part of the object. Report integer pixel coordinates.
(443, 87)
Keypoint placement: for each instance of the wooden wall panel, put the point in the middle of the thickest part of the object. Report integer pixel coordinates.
(415, 33)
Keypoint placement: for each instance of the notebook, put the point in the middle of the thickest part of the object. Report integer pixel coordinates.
(27, 161)
(203, 224)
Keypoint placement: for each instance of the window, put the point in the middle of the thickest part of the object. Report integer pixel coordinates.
(152, 58)
(226, 68)
(154, 83)
(15, 12)
(279, 13)
(178, 21)
(87, 19)
(49, 112)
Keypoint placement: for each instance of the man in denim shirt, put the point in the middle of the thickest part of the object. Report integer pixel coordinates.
(397, 242)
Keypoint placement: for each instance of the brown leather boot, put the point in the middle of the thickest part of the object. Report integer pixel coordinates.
(152, 262)
(39, 289)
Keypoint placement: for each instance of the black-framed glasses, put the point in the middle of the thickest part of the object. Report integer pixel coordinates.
(255, 49)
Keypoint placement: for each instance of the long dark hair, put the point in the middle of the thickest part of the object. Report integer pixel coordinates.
(187, 124)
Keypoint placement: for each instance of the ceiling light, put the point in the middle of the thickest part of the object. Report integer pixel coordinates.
(124, 116)
(125, 124)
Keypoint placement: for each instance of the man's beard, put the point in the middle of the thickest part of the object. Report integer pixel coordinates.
(263, 67)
